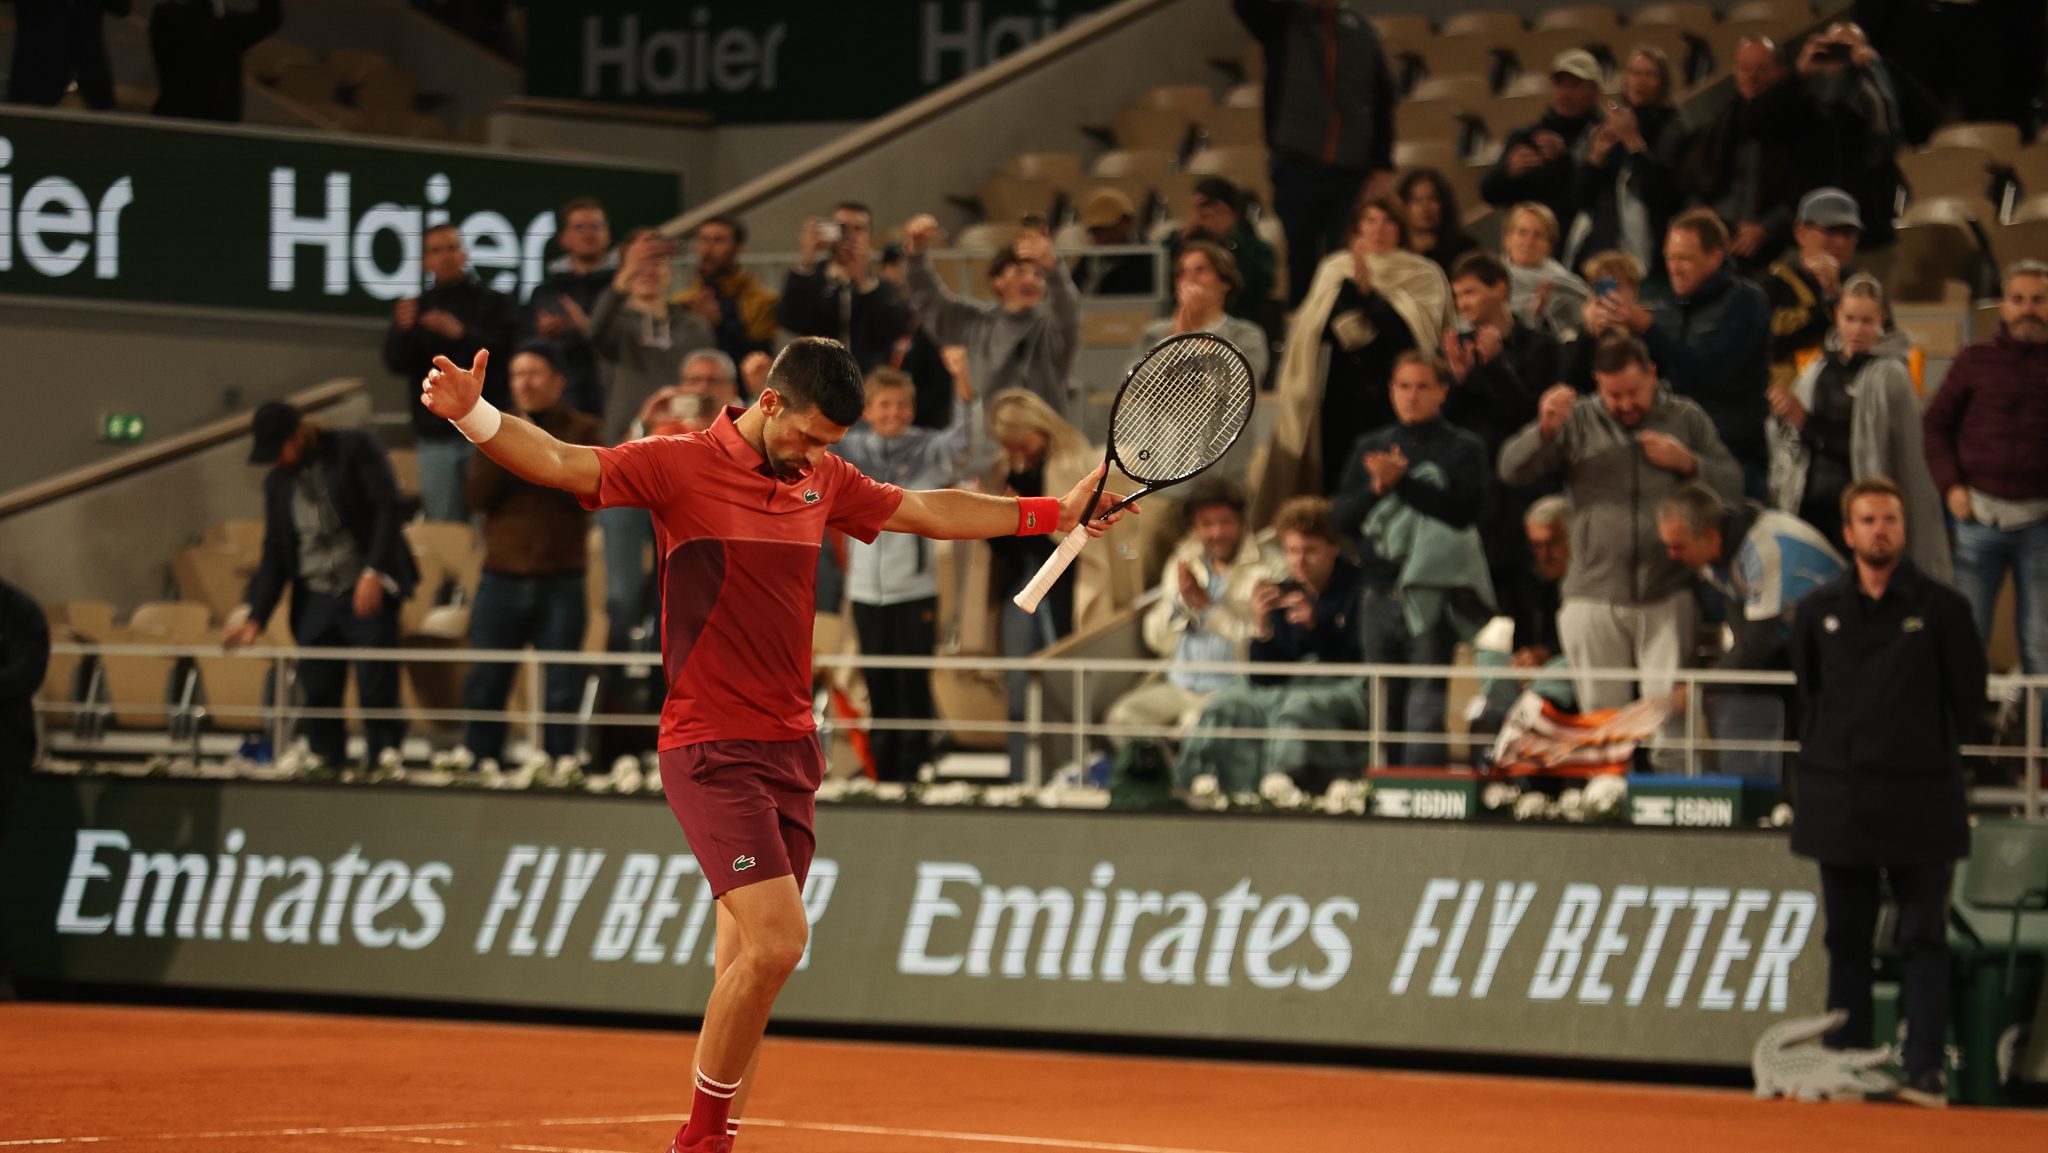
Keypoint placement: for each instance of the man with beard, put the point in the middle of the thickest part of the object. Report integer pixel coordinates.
(1891, 679)
(738, 307)
(331, 520)
(1984, 432)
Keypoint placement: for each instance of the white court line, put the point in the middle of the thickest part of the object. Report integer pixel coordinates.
(407, 1133)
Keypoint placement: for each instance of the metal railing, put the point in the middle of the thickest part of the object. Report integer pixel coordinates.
(185, 714)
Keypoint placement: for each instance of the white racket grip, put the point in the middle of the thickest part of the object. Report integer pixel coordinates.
(1050, 571)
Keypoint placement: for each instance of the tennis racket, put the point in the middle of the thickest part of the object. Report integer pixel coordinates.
(1180, 408)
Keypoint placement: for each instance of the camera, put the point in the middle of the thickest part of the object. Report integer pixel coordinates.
(828, 231)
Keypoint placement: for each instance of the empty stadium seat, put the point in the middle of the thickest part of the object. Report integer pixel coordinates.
(269, 58)
(1468, 91)
(1190, 100)
(1796, 12)
(1587, 16)
(1015, 197)
(1939, 241)
(2030, 167)
(1459, 56)
(1226, 127)
(1507, 113)
(1405, 30)
(142, 691)
(1144, 164)
(2001, 142)
(210, 576)
(1533, 51)
(993, 236)
(2024, 239)
(1948, 171)
(1061, 169)
(1431, 121)
(1151, 129)
(307, 82)
(1246, 95)
(1487, 22)
(1676, 15)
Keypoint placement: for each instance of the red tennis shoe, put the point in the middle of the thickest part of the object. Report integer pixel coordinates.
(718, 1144)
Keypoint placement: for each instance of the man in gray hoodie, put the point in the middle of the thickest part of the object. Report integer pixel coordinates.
(1621, 451)
(1028, 339)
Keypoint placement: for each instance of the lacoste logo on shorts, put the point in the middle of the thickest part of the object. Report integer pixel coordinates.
(742, 864)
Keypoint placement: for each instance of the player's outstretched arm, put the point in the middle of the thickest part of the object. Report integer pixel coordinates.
(954, 514)
(456, 394)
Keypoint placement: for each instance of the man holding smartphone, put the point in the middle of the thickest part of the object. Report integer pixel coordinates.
(837, 291)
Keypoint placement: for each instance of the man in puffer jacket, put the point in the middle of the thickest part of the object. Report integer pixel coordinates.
(893, 582)
(1626, 603)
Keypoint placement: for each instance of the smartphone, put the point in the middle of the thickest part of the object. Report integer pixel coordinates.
(1606, 286)
(828, 231)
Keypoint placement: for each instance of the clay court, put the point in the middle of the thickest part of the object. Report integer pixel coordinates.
(156, 1081)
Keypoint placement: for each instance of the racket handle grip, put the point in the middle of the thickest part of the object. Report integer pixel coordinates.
(1050, 571)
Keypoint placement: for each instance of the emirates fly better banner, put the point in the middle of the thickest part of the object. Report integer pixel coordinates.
(1622, 944)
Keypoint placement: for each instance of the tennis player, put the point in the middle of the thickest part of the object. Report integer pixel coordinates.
(740, 512)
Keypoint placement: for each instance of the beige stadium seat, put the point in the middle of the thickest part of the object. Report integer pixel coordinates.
(1404, 30)
(1534, 51)
(1527, 84)
(267, 58)
(1114, 327)
(1412, 154)
(1794, 12)
(1577, 16)
(457, 553)
(1246, 95)
(1508, 113)
(1224, 127)
(1191, 100)
(2032, 208)
(1151, 129)
(209, 576)
(242, 537)
(1144, 164)
(1431, 121)
(1675, 15)
(1061, 169)
(1176, 192)
(988, 237)
(139, 687)
(1950, 171)
(314, 84)
(405, 468)
(385, 92)
(1937, 244)
(1011, 198)
(350, 65)
(1492, 22)
(71, 622)
(233, 687)
(1244, 167)
(2024, 239)
(2030, 167)
(1467, 91)
(1459, 55)
(2001, 142)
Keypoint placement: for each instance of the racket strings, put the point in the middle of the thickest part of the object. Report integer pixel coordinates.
(1182, 410)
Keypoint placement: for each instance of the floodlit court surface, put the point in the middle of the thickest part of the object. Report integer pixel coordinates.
(130, 1080)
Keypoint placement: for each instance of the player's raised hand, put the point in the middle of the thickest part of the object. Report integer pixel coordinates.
(449, 391)
(1081, 507)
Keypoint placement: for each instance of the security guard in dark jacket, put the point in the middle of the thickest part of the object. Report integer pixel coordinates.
(1891, 677)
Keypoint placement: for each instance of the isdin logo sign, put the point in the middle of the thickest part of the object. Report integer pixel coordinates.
(58, 228)
(377, 249)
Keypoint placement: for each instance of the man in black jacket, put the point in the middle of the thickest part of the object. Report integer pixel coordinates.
(1891, 679)
(559, 308)
(1740, 164)
(455, 318)
(58, 43)
(24, 658)
(331, 521)
(836, 290)
(1538, 161)
(198, 52)
(1712, 339)
(1329, 109)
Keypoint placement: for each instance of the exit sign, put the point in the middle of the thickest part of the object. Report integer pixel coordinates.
(121, 426)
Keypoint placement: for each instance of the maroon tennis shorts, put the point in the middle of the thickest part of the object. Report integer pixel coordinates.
(747, 807)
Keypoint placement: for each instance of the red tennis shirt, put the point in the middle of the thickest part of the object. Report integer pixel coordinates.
(737, 562)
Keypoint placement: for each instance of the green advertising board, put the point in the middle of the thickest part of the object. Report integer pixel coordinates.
(776, 60)
(1615, 943)
(116, 208)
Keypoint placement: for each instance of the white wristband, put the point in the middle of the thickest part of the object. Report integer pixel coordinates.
(481, 422)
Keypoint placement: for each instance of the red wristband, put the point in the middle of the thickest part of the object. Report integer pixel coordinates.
(1037, 515)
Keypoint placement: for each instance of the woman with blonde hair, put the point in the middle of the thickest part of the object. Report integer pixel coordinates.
(1852, 416)
(1542, 292)
(1037, 453)
(1626, 186)
(1616, 278)
(1366, 305)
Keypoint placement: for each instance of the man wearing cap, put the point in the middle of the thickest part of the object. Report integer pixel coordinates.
(535, 545)
(1110, 218)
(1804, 287)
(1537, 161)
(1217, 214)
(331, 519)
(1329, 111)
